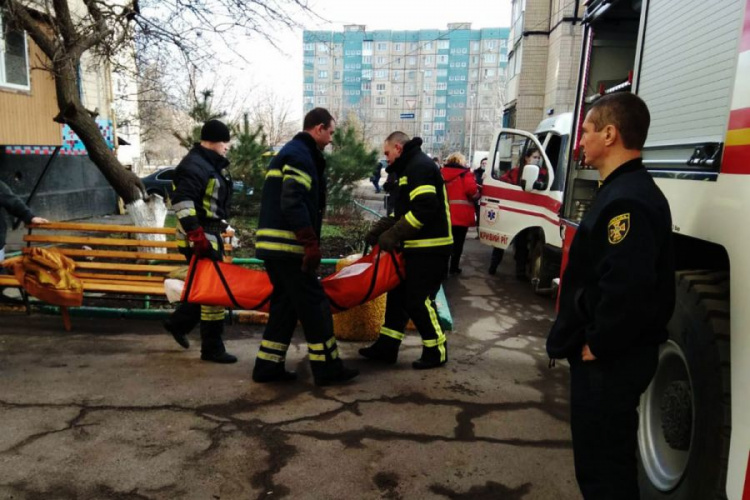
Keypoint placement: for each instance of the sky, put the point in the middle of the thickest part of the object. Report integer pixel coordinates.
(278, 73)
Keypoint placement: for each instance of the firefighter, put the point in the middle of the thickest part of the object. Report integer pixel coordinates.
(202, 192)
(291, 216)
(421, 227)
(617, 296)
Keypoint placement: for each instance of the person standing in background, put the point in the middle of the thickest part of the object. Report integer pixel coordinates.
(462, 196)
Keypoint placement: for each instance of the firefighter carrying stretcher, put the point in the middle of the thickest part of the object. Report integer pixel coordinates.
(421, 227)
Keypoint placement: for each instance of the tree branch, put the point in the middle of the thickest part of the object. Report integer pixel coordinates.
(23, 16)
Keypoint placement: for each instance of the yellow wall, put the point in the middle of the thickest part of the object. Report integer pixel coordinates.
(26, 116)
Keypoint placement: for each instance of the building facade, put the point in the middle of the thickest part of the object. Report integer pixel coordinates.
(543, 54)
(446, 86)
(40, 159)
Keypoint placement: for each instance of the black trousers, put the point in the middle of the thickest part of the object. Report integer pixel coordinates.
(415, 298)
(604, 398)
(459, 237)
(297, 296)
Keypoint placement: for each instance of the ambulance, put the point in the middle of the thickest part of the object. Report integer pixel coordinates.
(520, 203)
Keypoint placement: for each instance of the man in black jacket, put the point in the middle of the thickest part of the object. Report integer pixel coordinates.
(616, 298)
(420, 225)
(291, 216)
(202, 192)
(15, 206)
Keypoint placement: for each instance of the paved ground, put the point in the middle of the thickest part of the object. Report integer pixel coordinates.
(115, 409)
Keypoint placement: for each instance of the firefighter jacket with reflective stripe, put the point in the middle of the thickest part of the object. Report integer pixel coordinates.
(293, 198)
(202, 193)
(618, 291)
(421, 199)
(462, 191)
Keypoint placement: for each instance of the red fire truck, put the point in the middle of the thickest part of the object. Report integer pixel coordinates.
(690, 62)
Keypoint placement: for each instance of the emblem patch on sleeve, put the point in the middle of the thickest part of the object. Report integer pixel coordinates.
(618, 228)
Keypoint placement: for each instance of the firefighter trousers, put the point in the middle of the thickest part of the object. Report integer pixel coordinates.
(604, 398)
(297, 296)
(414, 299)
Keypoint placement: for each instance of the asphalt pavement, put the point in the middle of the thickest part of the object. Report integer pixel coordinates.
(115, 409)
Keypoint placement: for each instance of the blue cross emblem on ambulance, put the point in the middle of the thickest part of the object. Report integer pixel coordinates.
(490, 216)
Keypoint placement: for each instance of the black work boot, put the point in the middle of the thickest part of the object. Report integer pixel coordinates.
(267, 371)
(212, 347)
(431, 358)
(332, 372)
(385, 349)
(182, 321)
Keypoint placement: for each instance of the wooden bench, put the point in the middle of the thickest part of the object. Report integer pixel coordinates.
(110, 259)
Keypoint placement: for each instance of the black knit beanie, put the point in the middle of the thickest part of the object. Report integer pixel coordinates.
(215, 131)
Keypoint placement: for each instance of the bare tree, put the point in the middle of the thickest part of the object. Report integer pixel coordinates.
(65, 30)
(273, 113)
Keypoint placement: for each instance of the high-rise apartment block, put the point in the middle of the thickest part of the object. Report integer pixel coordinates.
(446, 86)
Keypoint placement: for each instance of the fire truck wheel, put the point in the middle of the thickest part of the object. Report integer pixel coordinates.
(684, 426)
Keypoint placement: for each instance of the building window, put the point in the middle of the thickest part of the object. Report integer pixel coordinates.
(428, 101)
(366, 59)
(427, 46)
(427, 114)
(379, 113)
(440, 99)
(323, 61)
(380, 60)
(367, 46)
(366, 85)
(309, 60)
(396, 76)
(381, 74)
(489, 72)
(380, 87)
(426, 127)
(442, 86)
(489, 44)
(322, 101)
(489, 58)
(309, 46)
(474, 74)
(428, 73)
(411, 75)
(337, 61)
(427, 86)
(503, 58)
(367, 74)
(309, 87)
(439, 113)
(427, 61)
(443, 44)
(322, 88)
(398, 47)
(309, 99)
(438, 126)
(442, 72)
(411, 60)
(382, 46)
(474, 60)
(380, 101)
(475, 46)
(395, 101)
(14, 63)
(337, 75)
(322, 74)
(442, 59)
(503, 44)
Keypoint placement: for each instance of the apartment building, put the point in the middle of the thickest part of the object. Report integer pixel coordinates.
(543, 54)
(446, 86)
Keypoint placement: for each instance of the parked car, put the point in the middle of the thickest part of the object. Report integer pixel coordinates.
(160, 182)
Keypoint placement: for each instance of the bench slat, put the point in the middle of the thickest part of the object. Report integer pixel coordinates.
(116, 254)
(86, 240)
(105, 228)
(141, 289)
(8, 280)
(108, 266)
(119, 277)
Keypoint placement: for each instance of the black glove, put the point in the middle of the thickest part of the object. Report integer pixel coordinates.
(382, 225)
(309, 240)
(400, 231)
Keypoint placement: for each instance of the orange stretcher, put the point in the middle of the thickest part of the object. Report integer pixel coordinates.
(220, 284)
